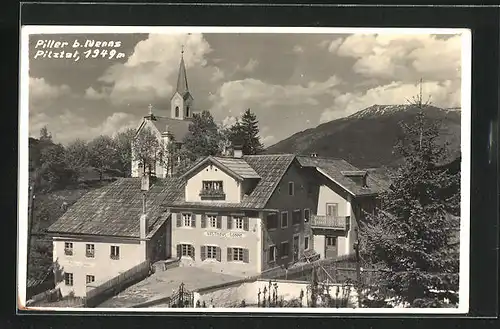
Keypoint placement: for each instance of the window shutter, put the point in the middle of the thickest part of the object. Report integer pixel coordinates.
(218, 250)
(203, 253)
(203, 221)
(192, 252)
(229, 222)
(245, 223)
(178, 218)
(245, 256)
(179, 251)
(193, 220)
(219, 221)
(229, 254)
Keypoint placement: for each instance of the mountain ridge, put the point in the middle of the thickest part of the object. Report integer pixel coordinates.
(366, 138)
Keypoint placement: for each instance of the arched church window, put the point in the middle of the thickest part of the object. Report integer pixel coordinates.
(176, 111)
(187, 111)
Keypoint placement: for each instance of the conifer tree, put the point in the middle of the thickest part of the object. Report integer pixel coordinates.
(408, 237)
(246, 131)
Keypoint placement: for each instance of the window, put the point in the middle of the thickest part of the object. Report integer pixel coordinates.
(89, 250)
(285, 249)
(68, 279)
(212, 185)
(306, 242)
(272, 254)
(238, 254)
(68, 248)
(90, 279)
(115, 252)
(291, 189)
(187, 220)
(272, 221)
(331, 241)
(332, 209)
(238, 223)
(296, 217)
(307, 214)
(284, 219)
(186, 250)
(212, 220)
(212, 252)
(187, 111)
(176, 111)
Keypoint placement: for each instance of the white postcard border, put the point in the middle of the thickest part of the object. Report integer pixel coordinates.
(23, 181)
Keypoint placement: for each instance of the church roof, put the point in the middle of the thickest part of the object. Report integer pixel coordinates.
(182, 82)
(178, 128)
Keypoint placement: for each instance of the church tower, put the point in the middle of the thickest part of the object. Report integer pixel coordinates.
(181, 103)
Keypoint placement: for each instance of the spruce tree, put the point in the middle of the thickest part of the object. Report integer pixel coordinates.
(408, 237)
(246, 132)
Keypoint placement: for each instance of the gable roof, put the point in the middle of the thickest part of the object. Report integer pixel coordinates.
(339, 171)
(238, 168)
(176, 127)
(115, 209)
(270, 168)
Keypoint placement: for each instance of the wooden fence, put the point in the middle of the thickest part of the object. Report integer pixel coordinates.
(113, 286)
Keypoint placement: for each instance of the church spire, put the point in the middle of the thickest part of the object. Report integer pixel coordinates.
(182, 83)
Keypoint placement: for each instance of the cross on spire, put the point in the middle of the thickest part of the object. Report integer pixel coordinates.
(150, 107)
(182, 49)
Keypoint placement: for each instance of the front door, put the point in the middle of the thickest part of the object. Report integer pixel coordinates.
(331, 247)
(295, 248)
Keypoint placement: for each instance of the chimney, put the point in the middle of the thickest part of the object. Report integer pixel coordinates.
(146, 182)
(237, 151)
(143, 226)
(237, 148)
(314, 155)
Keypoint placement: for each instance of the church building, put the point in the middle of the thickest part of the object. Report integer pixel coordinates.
(168, 129)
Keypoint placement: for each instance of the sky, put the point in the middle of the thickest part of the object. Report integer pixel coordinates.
(292, 82)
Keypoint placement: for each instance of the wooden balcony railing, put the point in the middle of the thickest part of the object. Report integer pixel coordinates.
(330, 222)
(212, 194)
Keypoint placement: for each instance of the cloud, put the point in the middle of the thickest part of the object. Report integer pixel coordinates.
(268, 140)
(248, 67)
(69, 126)
(404, 57)
(218, 75)
(245, 93)
(334, 45)
(39, 89)
(442, 94)
(150, 71)
(298, 49)
(92, 94)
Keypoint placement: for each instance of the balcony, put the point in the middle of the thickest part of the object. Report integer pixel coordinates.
(212, 194)
(340, 223)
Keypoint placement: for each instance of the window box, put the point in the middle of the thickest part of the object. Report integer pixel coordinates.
(212, 194)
